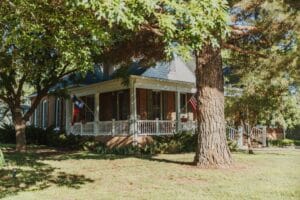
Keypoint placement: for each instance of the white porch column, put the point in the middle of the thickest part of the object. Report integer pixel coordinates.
(133, 110)
(68, 115)
(96, 113)
(264, 136)
(177, 105)
(240, 137)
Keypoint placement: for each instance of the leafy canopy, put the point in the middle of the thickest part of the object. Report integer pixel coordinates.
(42, 41)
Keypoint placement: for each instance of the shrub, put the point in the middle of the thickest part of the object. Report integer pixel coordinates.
(284, 142)
(2, 161)
(39, 136)
(294, 133)
(124, 150)
(180, 142)
(7, 134)
(233, 146)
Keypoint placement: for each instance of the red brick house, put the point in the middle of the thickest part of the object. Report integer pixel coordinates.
(154, 101)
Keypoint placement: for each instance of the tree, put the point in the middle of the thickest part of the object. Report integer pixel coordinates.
(181, 27)
(41, 42)
(269, 69)
(268, 81)
(40, 45)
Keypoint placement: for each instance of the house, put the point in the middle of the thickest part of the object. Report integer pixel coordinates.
(145, 102)
(148, 101)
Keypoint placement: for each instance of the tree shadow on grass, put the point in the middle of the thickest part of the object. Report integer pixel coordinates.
(151, 158)
(27, 172)
(95, 156)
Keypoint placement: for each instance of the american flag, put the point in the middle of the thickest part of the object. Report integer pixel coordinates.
(193, 102)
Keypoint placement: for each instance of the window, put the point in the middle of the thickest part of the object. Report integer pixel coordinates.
(58, 112)
(38, 116)
(114, 105)
(183, 103)
(45, 114)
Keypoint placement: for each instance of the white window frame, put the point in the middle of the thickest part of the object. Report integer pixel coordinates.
(44, 117)
(57, 112)
(35, 117)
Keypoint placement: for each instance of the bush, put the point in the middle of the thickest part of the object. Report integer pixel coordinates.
(294, 133)
(284, 142)
(124, 150)
(178, 143)
(2, 161)
(233, 146)
(7, 134)
(39, 136)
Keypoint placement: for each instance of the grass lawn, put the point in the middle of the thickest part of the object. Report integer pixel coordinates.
(49, 174)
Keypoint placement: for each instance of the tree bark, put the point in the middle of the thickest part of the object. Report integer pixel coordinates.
(212, 149)
(20, 126)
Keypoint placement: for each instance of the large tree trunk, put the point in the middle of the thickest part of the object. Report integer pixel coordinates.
(20, 125)
(212, 149)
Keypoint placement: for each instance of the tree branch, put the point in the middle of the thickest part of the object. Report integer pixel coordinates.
(43, 92)
(156, 31)
(20, 87)
(244, 28)
(243, 51)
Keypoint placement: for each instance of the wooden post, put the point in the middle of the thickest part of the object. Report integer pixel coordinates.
(81, 128)
(240, 137)
(264, 136)
(133, 112)
(68, 115)
(96, 113)
(177, 99)
(157, 126)
(113, 128)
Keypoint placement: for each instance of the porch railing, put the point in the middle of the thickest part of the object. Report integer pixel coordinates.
(101, 128)
(156, 127)
(187, 126)
(232, 133)
(159, 127)
(83, 129)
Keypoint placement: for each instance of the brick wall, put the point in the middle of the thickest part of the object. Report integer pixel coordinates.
(275, 133)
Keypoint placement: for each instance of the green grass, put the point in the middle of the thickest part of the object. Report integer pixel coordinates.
(48, 174)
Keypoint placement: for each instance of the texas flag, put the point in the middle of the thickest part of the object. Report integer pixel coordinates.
(78, 105)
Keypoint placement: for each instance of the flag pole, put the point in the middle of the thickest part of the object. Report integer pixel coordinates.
(87, 107)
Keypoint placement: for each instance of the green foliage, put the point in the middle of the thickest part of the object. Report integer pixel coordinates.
(2, 160)
(293, 133)
(285, 142)
(270, 83)
(178, 143)
(233, 146)
(39, 136)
